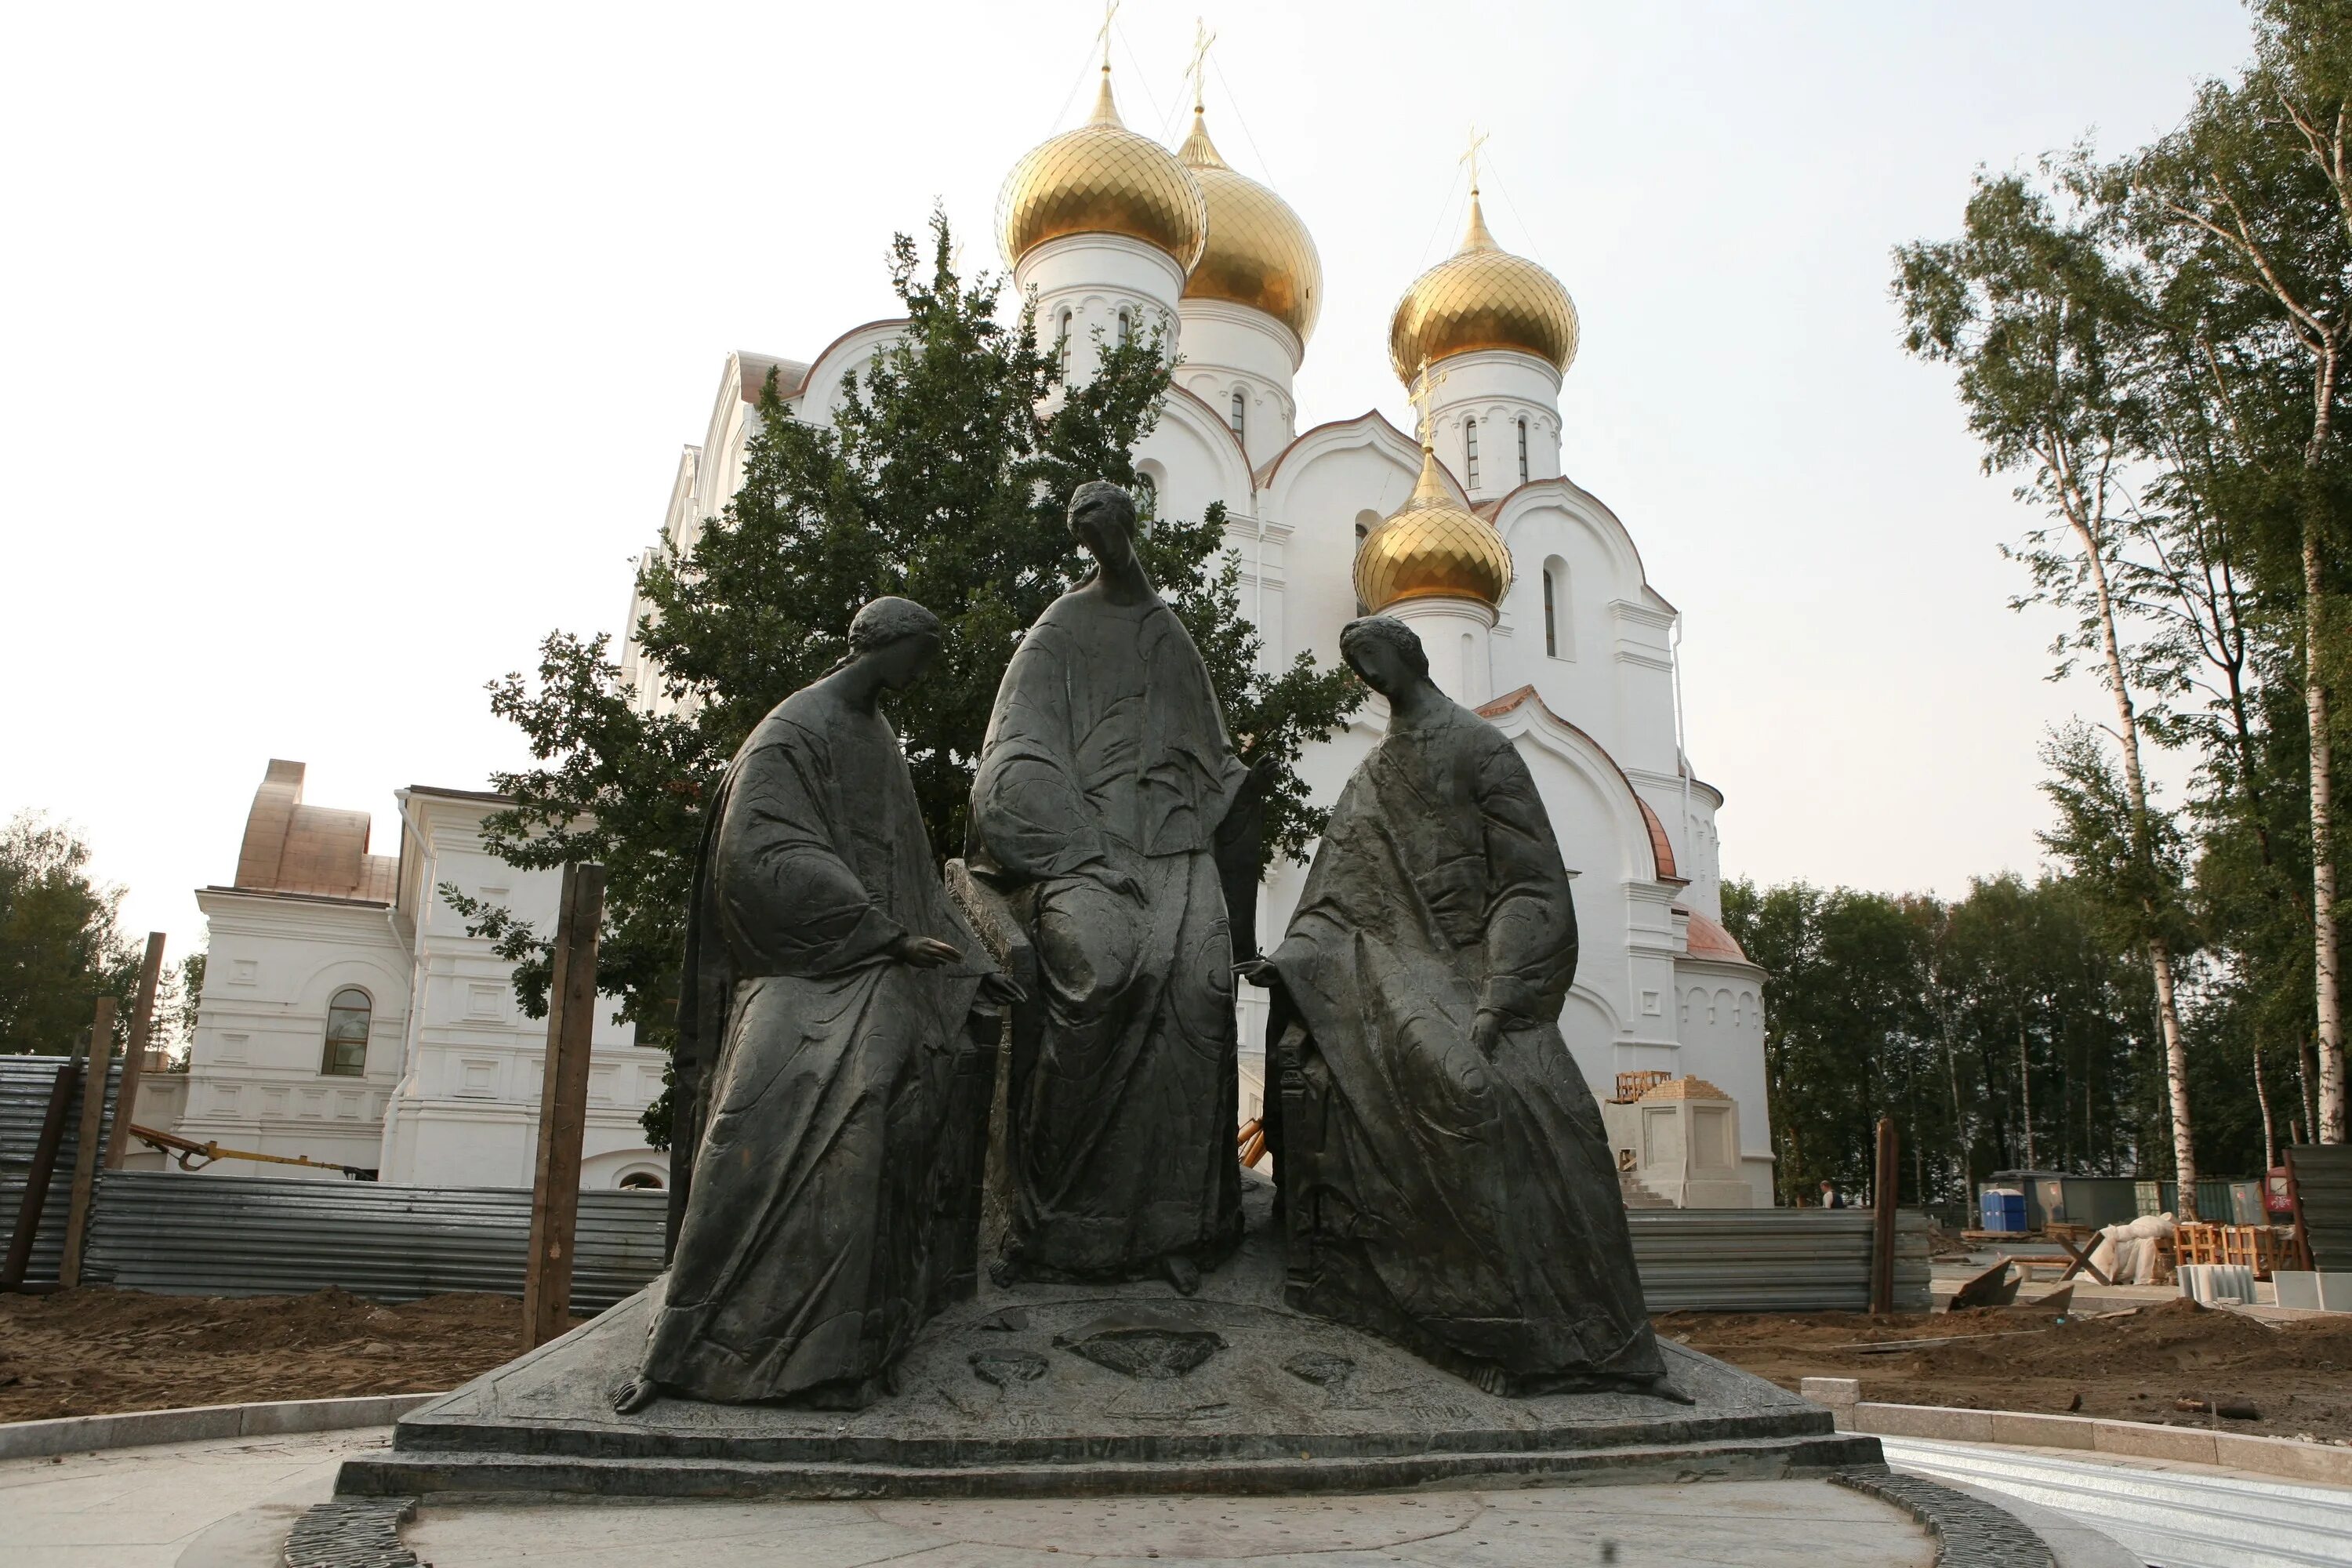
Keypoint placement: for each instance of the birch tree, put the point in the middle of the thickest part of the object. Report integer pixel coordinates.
(2255, 191)
(2027, 309)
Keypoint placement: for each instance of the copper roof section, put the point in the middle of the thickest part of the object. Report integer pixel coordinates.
(289, 847)
(1709, 939)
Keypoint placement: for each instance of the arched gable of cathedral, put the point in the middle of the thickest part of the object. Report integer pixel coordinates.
(1546, 518)
(1193, 458)
(820, 388)
(1641, 850)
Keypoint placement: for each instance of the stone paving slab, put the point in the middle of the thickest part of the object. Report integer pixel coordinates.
(156, 1507)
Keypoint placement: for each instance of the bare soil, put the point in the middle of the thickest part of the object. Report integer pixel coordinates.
(97, 1350)
(2128, 1367)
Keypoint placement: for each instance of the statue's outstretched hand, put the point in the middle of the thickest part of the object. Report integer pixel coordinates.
(1257, 970)
(998, 986)
(924, 951)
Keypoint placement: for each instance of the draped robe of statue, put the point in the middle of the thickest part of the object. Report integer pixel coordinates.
(1464, 1206)
(1106, 759)
(834, 1098)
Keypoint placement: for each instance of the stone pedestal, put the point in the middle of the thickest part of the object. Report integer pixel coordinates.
(1073, 1390)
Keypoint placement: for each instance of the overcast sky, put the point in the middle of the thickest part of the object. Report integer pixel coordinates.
(344, 352)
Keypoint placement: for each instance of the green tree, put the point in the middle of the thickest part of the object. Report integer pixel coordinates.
(61, 947)
(943, 476)
(2251, 198)
(2031, 308)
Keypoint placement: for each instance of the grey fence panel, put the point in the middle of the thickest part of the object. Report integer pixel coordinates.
(224, 1236)
(254, 1236)
(2323, 1183)
(25, 1084)
(1772, 1260)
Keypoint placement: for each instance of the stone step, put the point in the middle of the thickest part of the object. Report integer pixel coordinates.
(408, 1473)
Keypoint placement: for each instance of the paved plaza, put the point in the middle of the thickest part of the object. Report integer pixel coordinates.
(227, 1504)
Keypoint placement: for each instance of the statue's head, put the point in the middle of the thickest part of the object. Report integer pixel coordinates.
(1103, 517)
(1385, 652)
(899, 635)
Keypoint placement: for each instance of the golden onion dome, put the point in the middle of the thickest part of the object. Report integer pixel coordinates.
(1481, 297)
(1432, 549)
(1259, 253)
(1102, 178)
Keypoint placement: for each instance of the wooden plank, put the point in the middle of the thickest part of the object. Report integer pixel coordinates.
(134, 1055)
(1885, 1181)
(93, 1111)
(562, 1106)
(37, 1177)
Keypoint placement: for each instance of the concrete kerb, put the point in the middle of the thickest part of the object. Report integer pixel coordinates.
(2320, 1464)
(142, 1429)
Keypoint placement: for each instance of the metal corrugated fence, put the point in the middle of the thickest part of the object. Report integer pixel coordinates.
(255, 1236)
(2323, 1183)
(25, 1084)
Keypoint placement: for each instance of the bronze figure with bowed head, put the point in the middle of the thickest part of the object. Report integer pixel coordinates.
(1446, 1180)
(833, 1059)
(1105, 791)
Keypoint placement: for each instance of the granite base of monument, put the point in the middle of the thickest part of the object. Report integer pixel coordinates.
(1075, 1389)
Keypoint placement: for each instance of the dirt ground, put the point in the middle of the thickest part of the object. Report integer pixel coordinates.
(2130, 1367)
(97, 1350)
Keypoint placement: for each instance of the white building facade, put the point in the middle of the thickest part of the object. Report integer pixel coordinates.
(348, 1018)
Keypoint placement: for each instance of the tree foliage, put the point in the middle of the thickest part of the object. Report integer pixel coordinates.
(943, 475)
(2155, 344)
(61, 946)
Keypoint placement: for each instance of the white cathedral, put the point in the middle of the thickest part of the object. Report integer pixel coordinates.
(346, 1013)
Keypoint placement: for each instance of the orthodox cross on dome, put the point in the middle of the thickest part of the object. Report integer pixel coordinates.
(1201, 39)
(1424, 386)
(1470, 156)
(1110, 11)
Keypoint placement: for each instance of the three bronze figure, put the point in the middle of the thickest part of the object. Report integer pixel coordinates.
(1443, 1176)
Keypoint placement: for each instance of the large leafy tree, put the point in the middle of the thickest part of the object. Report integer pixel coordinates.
(943, 475)
(61, 946)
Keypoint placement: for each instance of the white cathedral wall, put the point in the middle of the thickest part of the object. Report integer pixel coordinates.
(1231, 349)
(465, 1110)
(1720, 1017)
(255, 1078)
(1082, 281)
(1498, 388)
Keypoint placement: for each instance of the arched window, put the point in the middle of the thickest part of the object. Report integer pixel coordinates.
(1366, 521)
(1147, 497)
(1523, 451)
(1062, 344)
(347, 1034)
(1470, 452)
(1126, 328)
(640, 1181)
(1551, 615)
(1239, 418)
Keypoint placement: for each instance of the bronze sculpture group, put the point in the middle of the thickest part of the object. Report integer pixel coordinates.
(1445, 1178)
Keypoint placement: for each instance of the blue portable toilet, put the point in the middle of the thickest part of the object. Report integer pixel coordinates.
(2002, 1209)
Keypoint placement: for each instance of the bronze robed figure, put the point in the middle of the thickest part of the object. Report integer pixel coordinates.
(1105, 788)
(836, 1054)
(1445, 1177)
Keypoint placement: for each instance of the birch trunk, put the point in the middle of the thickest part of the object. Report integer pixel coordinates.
(2160, 950)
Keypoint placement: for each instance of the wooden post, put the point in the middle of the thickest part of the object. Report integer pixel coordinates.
(134, 1055)
(1882, 1189)
(93, 1110)
(562, 1107)
(37, 1177)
